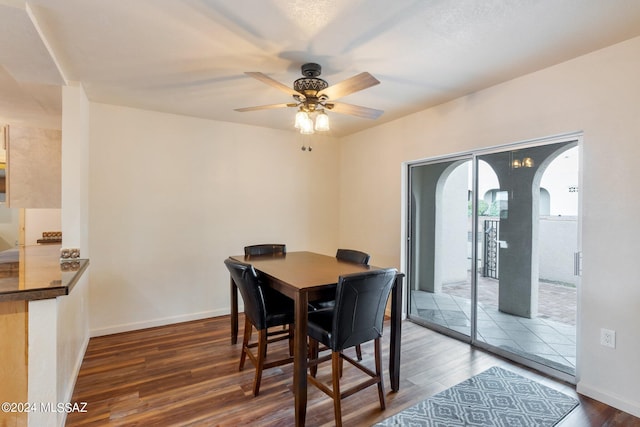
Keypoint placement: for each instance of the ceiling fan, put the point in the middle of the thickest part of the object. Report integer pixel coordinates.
(314, 95)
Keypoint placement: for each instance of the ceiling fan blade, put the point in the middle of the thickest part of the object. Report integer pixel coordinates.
(355, 110)
(265, 107)
(348, 86)
(271, 82)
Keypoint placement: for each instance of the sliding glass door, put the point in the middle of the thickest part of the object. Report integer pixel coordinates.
(441, 245)
(493, 237)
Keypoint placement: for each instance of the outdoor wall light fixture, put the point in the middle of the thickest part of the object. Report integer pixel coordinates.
(525, 162)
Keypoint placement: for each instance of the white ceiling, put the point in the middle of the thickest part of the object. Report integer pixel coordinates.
(189, 56)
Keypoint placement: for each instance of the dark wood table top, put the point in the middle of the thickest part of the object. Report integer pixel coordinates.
(304, 270)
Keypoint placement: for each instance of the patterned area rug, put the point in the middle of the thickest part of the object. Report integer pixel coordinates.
(495, 397)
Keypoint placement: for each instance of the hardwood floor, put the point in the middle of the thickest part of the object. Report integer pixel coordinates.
(187, 375)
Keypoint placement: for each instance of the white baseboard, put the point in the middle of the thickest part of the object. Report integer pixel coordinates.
(126, 327)
(616, 401)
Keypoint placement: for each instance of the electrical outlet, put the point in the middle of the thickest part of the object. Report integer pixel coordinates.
(608, 338)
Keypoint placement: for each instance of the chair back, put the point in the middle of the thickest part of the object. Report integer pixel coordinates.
(351, 255)
(265, 249)
(361, 299)
(246, 279)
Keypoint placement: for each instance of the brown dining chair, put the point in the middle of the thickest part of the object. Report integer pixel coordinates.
(357, 317)
(265, 249)
(348, 255)
(263, 309)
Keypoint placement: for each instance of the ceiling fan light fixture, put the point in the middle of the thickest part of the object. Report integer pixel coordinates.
(306, 125)
(322, 122)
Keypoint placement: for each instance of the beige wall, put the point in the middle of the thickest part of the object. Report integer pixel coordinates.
(171, 197)
(598, 94)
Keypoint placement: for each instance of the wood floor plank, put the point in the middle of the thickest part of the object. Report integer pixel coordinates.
(187, 375)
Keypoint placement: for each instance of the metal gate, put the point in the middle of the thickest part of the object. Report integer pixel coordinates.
(491, 233)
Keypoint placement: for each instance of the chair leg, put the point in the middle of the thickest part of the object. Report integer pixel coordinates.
(359, 352)
(262, 354)
(335, 374)
(313, 354)
(245, 342)
(378, 362)
(290, 340)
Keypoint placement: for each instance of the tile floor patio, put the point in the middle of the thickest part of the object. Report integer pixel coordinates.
(549, 338)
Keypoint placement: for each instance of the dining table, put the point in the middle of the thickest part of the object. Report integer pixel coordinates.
(308, 276)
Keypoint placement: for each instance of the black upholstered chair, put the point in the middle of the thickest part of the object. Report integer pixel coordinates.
(351, 255)
(263, 309)
(265, 249)
(356, 318)
(348, 255)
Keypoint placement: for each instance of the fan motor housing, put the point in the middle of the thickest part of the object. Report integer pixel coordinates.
(310, 84)
(311, 69)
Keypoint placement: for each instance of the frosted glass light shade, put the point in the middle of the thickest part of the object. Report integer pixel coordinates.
(301, 116)
(322, 122)
(306, 126)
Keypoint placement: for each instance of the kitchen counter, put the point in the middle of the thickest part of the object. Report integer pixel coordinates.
(37, 329)
(31, 273)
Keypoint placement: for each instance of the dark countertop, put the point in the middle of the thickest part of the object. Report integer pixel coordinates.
(31, 273)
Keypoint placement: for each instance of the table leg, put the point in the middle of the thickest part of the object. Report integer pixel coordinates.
(300, 357)
(396, 333)
(234, 312)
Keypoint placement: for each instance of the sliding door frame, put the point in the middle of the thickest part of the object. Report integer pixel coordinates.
(407, 245)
